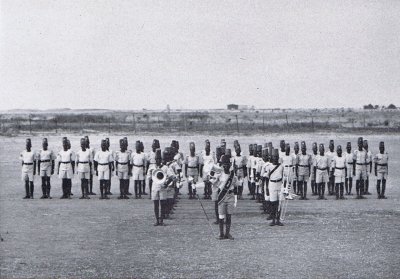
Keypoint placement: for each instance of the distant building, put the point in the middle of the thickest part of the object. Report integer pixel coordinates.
(233, 107)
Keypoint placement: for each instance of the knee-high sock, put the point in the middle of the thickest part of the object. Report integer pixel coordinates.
(319, 190)
(346, 185)
(228, 223)
(304, 189)
(163, 208)
(337, 190)
(48, 186)
(157, 209)
(27, 188)
(44, 178)
(358, 187)
(139, 183)
(378, 187)
(83, 187)
(216, 210)
(341, 189)
(91, 183)
(323, 189)
(221, 227)
(144, 186)
(383, 187)
(366, 186)
(136, 188)
(121, 187)
(350, 184)
(300, 189)
(361, 187)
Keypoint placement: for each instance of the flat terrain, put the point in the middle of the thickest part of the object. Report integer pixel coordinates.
(102, 239)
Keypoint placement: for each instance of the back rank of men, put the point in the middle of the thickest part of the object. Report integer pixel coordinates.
(321, 168)
(46, 166)
(304, 170)
(28, 161)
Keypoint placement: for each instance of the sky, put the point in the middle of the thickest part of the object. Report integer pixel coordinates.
(198, 54)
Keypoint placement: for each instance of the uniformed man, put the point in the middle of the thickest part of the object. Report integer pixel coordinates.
(239, 165)
(330, 154)
(69, 181)
(227, 197)
(92, 153)
(339, 165)
(276, 189)
(112, 168)
(84, 161)
(258, 162)
(321, 167)
(46, 164)
(314, 154)
(28, 161)
(360, 168)
(249, 163)
(174, 170)
(282, 151)
(66, 168)
(180, 159)
(102, 166)
(304, 170)
(207, 160)
(213, 176)
(349, 169)
(192, 169)
(130, 168)
(160, 181)
(288, 162)
(296, 154)
(145, 168)
(381, 170)
(138, 162)
(151, 163)
(266, 206)
(122, 168)
(369, 167)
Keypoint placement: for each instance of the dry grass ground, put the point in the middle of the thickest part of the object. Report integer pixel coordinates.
(101, 239)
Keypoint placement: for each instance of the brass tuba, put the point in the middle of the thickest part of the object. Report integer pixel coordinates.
(159, 177)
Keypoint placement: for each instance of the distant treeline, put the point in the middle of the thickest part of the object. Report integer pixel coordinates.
(220, 122)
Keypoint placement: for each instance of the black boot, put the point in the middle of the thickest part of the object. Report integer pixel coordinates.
(228, 227)
(31, 188)
(221, 229)
(27, 196)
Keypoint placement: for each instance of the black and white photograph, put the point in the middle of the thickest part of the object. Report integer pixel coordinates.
(199, 139)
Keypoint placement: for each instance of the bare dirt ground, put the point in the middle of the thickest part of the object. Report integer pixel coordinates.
(102, 239)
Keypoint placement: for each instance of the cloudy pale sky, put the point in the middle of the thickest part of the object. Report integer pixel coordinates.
(198, 54)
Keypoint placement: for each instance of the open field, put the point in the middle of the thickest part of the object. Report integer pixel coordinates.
(101, 239)
(191, 122)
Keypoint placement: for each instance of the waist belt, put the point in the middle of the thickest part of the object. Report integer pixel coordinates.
(66, 162)
(322, 169)
(288, 166)
(122, 163)
(192, 167)
(350, 163)
(152, 163)
(362, 164)
(383, 165)
(28, 164)
(304, 166)
(44, 161)
(278, 180)
(105, 164)
(138, 166)
(84, 162)
(339, 168)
